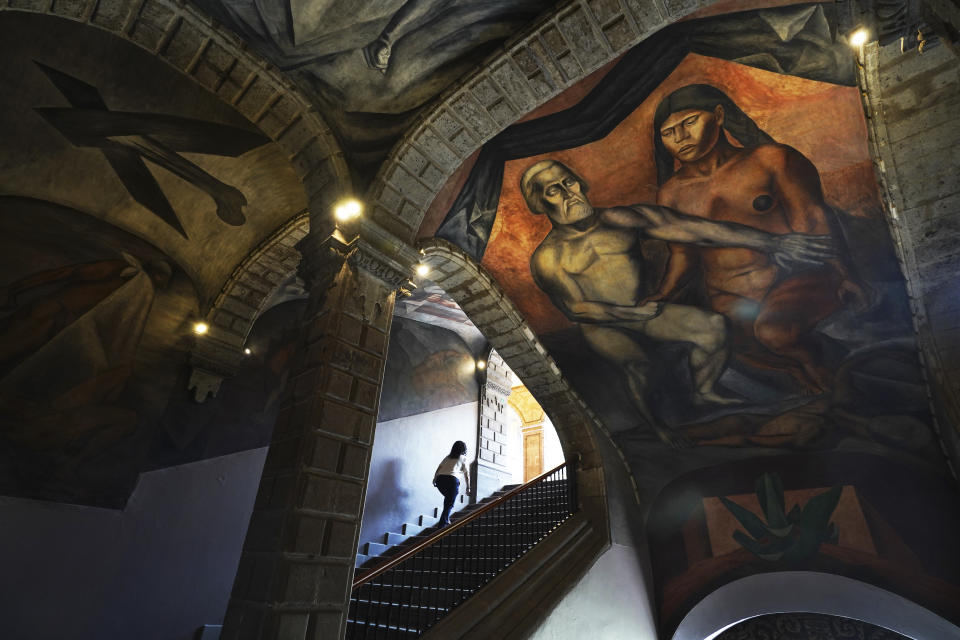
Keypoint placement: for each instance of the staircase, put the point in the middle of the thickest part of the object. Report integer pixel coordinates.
(404, 594)
(373, 554)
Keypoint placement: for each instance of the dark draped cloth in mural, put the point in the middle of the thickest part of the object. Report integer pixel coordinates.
(797, 40)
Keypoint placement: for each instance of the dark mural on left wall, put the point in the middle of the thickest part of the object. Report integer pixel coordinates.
(128, 195)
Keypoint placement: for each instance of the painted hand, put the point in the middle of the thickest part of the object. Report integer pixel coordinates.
(377, 54)
(798, 250)
(648, 308)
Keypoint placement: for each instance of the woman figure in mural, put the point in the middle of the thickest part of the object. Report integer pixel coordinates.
(765, 185)
(446, 481)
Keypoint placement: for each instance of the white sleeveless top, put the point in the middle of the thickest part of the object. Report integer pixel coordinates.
(452, 466)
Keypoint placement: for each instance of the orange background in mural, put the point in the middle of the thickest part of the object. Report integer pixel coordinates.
(821, 120)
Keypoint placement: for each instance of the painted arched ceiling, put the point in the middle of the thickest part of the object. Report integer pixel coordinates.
(336, 50)
(770, 426)
(99, 125)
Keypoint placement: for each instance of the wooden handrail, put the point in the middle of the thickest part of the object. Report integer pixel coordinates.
(450, 529)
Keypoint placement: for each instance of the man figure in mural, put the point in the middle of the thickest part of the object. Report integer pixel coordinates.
(591, 266)
(766, 186)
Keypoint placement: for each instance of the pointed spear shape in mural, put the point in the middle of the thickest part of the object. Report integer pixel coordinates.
(127, 138)
(788, 537)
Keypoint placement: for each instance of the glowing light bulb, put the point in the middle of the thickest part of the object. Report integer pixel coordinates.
(858, 38)
(200, 328)
(347, 209)
(422, 270)
(481, 364)
(247, 351)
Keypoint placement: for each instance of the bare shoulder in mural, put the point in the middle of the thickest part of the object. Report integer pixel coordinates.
(591, 266)
(127, 139)
(764, 185)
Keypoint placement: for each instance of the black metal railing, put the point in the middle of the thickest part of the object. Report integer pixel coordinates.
(408, 594)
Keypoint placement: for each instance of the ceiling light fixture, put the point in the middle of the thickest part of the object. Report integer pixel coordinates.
(348, 209)
(858, 38)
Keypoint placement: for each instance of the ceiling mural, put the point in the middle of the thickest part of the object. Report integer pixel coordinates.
(372, 66)
(428, 368)
(128, 195)
(97, 124)
(430, 304)
(697, 238)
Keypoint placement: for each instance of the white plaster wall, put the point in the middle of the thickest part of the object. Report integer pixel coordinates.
(552, 451)
(609, 603)
(406, 452)
(515, 442)
(158, 570)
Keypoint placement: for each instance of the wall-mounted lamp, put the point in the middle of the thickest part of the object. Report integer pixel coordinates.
(200, 328)
(422, 270)
(347, 210)
(247, 351)
(858, 37)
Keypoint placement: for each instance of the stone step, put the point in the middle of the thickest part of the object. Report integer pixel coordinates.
(374, 549)
(391, 539)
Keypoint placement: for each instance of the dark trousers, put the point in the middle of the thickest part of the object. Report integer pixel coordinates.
(449, 486)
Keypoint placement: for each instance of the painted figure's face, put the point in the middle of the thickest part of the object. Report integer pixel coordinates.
(563, 197)
(691, 134)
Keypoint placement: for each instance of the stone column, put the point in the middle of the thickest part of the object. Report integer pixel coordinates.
(915, 140)
(491, 471)
(296, 567)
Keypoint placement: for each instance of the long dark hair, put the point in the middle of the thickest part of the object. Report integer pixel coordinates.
(459, 449)
(705, 98)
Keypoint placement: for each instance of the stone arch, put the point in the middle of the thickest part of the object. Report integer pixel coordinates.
(809, 592)
(494, 314)
(557, 52)
(255, 280)
(240, 302)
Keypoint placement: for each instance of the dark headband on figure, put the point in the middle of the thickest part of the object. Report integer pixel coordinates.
(703, 97)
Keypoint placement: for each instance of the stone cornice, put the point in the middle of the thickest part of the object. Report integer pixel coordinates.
(363, 244)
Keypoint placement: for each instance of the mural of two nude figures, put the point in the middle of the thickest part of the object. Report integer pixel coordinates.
(736, 304)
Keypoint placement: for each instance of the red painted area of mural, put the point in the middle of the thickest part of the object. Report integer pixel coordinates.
(822, 121)
(732, 6)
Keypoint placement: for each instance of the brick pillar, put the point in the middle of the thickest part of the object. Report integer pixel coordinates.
(293, 581)
(491, 471)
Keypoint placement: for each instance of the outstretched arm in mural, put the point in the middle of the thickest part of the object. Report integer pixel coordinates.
(787, 250)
